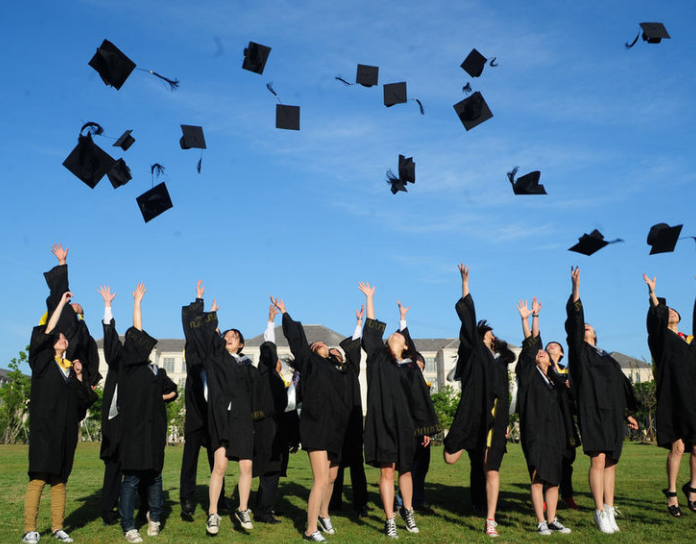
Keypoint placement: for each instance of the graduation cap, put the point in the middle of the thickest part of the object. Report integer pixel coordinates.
(591, 243)
(652, 33)
(366, 76)
(395, 93)
(287, 117)
(125, 140)
(255, 57)
(473, 111)
(114, 66)
(119, 174)
(407, 173)
(154, 202)
(475, 62)
(663, 238)
(193, 138)
(87, 161)
(527, 184)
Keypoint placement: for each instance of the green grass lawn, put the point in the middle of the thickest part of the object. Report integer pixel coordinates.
(640, 478)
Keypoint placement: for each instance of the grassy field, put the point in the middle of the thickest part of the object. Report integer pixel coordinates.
(640, 478)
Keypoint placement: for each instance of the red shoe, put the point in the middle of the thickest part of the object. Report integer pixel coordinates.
(491, 528)
(570, 503)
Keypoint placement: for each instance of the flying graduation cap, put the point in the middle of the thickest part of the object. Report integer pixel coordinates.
(193, 138)
(652, 33)
(475, 62)
(473, 110)
(527, 184)
(367, 76)
(125, 140)
(287, 117)
(119, 174)
(87, 161)
(407, 174)
(157, 200)
(662, 238)
(395, 93)
(255, 57)
(591, 243)
(114, 67)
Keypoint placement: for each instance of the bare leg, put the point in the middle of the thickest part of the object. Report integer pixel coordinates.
(596, 478)
(492, 488)
(326, 497)
(538, 498)
(551, 502)
(674, 458)
(386, 489)
(692, 466)
(217, 476)
(244, 483)
(406, 489)
(319, 462)
(609, 481)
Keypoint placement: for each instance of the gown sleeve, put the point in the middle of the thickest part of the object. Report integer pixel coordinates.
(41, 352)
(295, 335)
(468, 335)
(372, 336)
(575, 330)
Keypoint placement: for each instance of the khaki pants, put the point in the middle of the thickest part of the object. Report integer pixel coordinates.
(33, 498)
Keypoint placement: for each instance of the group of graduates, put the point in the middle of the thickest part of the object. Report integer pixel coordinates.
(249, 414)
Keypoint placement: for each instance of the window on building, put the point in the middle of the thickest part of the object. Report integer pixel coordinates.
(169, 364)
(637, 377)
(430, 365)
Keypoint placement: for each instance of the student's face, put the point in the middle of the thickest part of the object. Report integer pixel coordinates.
(78, 309)
(232, 343)
(590, 336)
(61, 344)
(396, 343)
(320, 349)
(542, 358)
(673, 317)
(555, 351)
(336, 354)
(489, 339)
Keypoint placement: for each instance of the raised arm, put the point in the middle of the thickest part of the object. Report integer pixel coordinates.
(525, 312)
(536, 308)
(269, 333)
(651, 289)
(113, 348)
(55, 316)
(295, 335)
(373, 330)
(464, 271)
(351, 345)
(138, 295)
(402, 315)
(575, 320)
(369, 293)
(466, 311)
(575, 279)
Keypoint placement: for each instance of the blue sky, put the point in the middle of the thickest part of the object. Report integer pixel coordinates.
(306, 215)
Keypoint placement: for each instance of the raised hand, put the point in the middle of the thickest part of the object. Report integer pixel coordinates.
(402, 311)
(60, 253)
(536, 306)
(650, 283)
(214, 307)
(464, 271)
(65, 298)
(200, 289)
(139, 292)
(366, 289)
(278, 303)
(575, 277)
(107, 295)
(522, 307)
(359, 313)
(272, 312)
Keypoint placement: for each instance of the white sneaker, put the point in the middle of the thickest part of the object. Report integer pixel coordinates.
(611, 515)
(212, 526)
(602, 520)
(543, 529)
(557, 527)
(409, 518)
(62, 536)
(153, 527)
(491, 528)
(314, 537)
(244, 518)
(32, 537)
(132, 536)
(325, 525)
(390, 528)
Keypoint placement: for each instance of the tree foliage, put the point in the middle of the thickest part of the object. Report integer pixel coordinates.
(14, 403)
(445, 403)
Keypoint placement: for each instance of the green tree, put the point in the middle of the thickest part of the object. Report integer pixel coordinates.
(647, 400)
(445, 403)
(14, 402)
(176, 414)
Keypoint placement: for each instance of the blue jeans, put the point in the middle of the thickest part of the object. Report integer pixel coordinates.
(129, 488)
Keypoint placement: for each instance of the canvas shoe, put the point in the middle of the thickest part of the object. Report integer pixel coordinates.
(409, 519)
(31, 537)
(153, 527)
(543, 529)
(325, 525)
(491, 528)
(602, 520)
(557, 527)
(244, 518)
(62, 536)
(212, 526)
(611, 515)
(316, 536)
(132, 536)
(390, 528)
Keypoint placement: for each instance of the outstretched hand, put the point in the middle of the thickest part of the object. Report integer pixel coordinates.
(464, 272)
(575, 276)
(278, 303)
(65, 298)
(272, 312)
(524, 310)
(107, 295)
(214, 308)
(366, 289)
(536, 306)
(139, 292)
(402, 311)
(60, 253)
(650, 283)
(200, 289)
(359, 313)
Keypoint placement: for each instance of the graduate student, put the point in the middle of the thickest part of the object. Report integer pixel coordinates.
(604, 394)
(542, 429)
(398, 409)
(230, 397)
(481, 421)
(323, 419)
(60, 397)
(674, 359)
(143, 390)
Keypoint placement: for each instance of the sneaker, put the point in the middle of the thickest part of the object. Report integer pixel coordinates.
(153, 527)
(491, 528)
(314, 537)
(602, 520)
(132, 536)
(325, 525)
(409, 519)
(62, 536)
(557, 527)
(244, 518)
(611, 516)
(32, 537)
(212, 526)
(390, 528)
(543, 529)
(570, 503)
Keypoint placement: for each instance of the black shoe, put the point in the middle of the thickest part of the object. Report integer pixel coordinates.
(266, 518)
(424, 509)
(188, 507)
(361, 512)
(110, 519)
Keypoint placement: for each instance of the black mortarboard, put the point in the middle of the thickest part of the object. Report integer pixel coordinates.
(113, 65)
(367, 76)
(407, 169)
(663, 238)
(527, 184)
(473, 111)
(591, 243)
(474, 63)
(119, 174)
(125, 141)
(255, 57)
(652, 33)
(154, 202)
(88, 161)
(192, 138)
(397, 185)
(395, 93)
(287, 117)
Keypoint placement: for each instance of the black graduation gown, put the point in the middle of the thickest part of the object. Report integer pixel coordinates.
(81, 345)
(398, 404)
(484, 383)
(675, 379)
(57, 405)
(196, 417)
(230, 390)
(142, 410)
(353, 442)
(542, 428)
(110, 428)
(604, 394)
(324, 414)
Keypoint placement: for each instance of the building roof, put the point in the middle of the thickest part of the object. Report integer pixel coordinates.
(626, 361)
(314, 333)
